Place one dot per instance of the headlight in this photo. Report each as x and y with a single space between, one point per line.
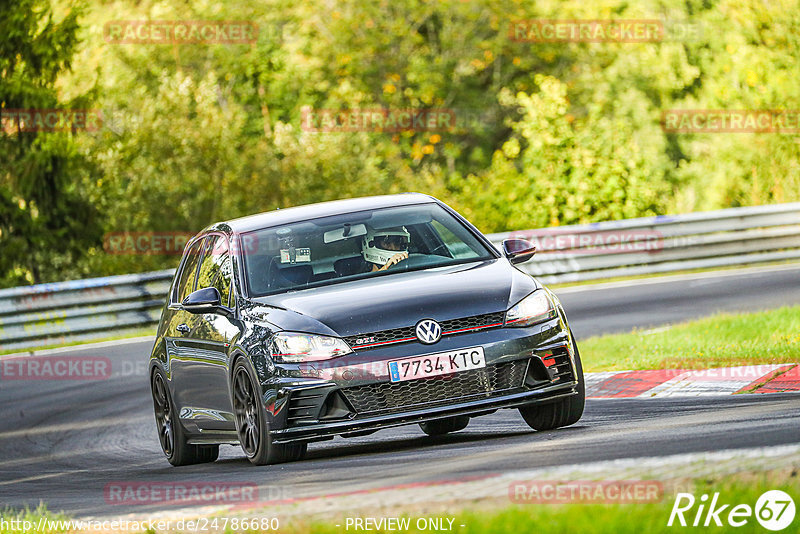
533 309
296 347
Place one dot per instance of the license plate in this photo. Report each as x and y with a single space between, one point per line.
441 363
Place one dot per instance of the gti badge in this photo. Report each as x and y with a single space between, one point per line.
428 331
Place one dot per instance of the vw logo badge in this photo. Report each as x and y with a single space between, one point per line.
428 331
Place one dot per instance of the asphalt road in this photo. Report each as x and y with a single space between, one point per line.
620 306
61 442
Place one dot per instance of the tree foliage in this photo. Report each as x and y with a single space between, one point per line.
46 224
547 133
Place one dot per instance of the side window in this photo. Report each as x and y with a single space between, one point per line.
454 245
185 283
216 268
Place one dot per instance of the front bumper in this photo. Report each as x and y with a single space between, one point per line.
325 430
354 394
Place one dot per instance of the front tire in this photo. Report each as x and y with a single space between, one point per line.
563 412
440 427
251 422
171 434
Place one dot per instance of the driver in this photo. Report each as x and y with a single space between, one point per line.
384 248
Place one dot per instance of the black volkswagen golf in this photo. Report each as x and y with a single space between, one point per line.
347 317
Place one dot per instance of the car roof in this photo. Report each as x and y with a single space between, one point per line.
322 209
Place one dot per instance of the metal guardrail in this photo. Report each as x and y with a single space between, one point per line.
652 245
46 314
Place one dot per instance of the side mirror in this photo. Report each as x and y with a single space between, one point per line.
518 250
204 300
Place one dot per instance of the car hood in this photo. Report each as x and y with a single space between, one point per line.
397 300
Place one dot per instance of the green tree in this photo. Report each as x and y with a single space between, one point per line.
559 169
549 132
46 223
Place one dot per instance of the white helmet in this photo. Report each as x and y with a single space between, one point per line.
380 245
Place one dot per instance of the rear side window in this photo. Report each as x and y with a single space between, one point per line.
188 274
216 268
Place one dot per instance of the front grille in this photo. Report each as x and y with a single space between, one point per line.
376 399
407 333
385 337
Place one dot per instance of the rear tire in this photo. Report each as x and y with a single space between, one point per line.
563 412
170 431
440 427
251 422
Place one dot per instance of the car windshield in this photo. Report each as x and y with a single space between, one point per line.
352 246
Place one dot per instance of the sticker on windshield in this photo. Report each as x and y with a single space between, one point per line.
295 255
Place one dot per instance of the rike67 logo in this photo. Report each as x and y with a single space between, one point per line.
774 510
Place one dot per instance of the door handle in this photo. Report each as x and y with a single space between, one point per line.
182 328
